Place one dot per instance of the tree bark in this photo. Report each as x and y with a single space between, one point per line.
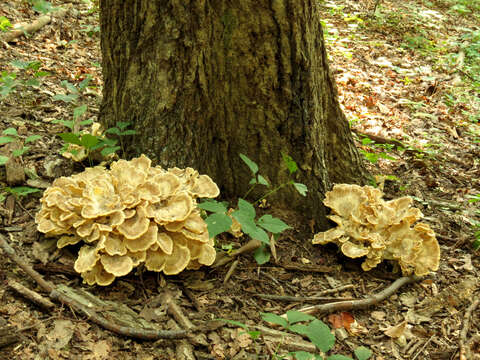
202 81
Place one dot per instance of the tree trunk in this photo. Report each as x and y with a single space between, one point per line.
202 81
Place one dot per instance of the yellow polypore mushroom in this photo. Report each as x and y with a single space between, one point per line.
380 230
131 214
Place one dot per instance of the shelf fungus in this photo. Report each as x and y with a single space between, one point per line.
129 215
368 226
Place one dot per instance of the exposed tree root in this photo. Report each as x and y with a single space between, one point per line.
465 346
362 303
91 312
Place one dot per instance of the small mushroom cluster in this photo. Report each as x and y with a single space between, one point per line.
131 214
380 230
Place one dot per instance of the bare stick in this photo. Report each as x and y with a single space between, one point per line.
248 247
54 294
230 271
362 303
31 295
464 352
335 290
22 29
302 298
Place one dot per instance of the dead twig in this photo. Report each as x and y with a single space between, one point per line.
31 295
301 298
92 314
230 271
362 303
22 29
223 259
465 352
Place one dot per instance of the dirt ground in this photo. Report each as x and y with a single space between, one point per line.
392 83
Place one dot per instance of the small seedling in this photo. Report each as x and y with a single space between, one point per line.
310 327
219 220
10 135
5 24
18 192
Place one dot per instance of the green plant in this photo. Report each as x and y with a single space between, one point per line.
4 23
90 142
219 220
310 327
374 156
18 191
10 135
42 6
9 82
121 130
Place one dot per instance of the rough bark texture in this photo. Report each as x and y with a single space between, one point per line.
203 81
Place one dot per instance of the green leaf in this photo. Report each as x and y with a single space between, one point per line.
85 82
69 86
319 334
42 6
213 206
70 138
32 138
252 181
86 122
66 123
32 82
339 357
20 152
109 150
299 329
218 223
261 255
255 334
262 180
113 130
246 208
275 319
252 165
4 23
41 74
123 124
88 141
22 190
362 353
66 98
301 188
79 111
274 225
476 243
128 132
10 131
3 160
6 140
257 234
303 355
294 316
291 164
19 64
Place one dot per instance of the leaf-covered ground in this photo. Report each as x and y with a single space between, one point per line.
408 71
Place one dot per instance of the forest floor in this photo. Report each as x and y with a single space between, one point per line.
410 71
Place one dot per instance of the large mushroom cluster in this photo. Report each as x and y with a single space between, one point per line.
379 230
131 214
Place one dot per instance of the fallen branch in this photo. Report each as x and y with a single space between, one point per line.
88 310
362 303
465 352
31 295
301 298
223 259
23 28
